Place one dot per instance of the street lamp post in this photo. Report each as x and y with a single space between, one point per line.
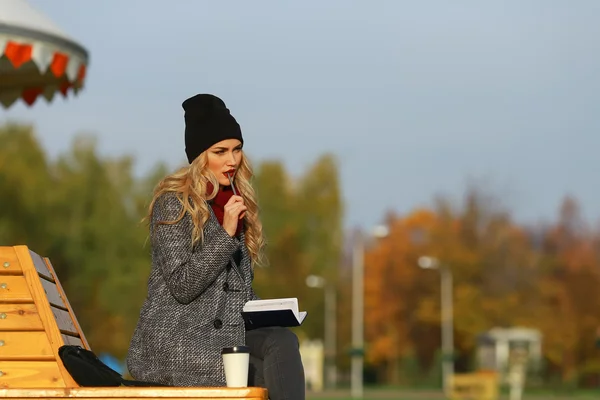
330 336
447 318
358 341
356 383
330 345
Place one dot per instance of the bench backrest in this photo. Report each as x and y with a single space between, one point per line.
35 320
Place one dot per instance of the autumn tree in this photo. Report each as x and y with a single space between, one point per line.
568 307
505 274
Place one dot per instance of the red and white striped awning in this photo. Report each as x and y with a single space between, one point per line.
37 59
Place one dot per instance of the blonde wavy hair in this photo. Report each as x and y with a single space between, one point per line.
191 183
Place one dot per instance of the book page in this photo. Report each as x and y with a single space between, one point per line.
272 305
301 315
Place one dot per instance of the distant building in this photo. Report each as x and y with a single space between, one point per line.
496 347
313 359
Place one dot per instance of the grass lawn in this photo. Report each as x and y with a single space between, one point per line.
406 394
377 394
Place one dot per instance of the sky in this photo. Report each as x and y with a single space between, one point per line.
416 99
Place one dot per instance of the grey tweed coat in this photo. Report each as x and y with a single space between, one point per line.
195 296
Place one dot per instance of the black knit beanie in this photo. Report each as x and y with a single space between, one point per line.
207 121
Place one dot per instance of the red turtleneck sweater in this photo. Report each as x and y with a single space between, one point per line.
218 204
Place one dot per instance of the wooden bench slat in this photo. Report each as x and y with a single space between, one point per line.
25 345
14 289
9 263
23 317
138 393
64 321
206 396
30 374
72 340
54 298
40 266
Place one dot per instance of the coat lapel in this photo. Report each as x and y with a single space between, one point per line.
237 268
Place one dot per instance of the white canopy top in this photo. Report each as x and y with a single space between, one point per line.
21 14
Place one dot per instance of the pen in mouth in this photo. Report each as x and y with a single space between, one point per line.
231 182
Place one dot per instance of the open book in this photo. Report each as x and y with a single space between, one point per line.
272 312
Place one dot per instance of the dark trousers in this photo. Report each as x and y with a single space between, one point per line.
275 363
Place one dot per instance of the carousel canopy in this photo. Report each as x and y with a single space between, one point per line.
36 57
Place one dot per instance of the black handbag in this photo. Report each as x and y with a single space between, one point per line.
87 369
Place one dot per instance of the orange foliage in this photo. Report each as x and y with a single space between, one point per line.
504 275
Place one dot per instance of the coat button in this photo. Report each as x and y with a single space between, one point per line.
225 286
218 323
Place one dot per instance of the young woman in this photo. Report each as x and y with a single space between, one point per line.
205 241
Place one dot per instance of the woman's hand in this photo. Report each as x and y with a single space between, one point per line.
234 211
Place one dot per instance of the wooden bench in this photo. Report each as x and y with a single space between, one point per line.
36 319
474 386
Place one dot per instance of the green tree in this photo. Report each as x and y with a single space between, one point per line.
84 211
320 215
25 188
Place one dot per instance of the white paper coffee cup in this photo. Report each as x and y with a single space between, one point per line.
236 361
